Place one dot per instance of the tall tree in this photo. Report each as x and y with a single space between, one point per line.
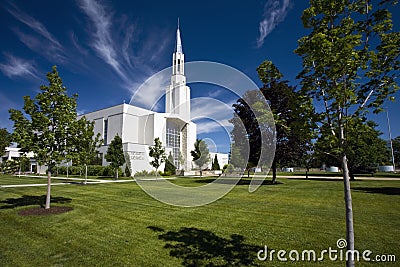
200 154
157 152
292 113
215 164
87 144
115 154
350 64
48 129
170 168
5 140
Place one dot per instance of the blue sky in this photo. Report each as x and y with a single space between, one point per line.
105 49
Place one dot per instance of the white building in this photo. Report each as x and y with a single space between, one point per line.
138 127
223 159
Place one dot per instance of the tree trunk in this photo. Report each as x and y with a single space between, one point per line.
116 174
85 173
349 210
274 172
47 206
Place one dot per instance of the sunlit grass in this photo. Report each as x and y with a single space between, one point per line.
117 224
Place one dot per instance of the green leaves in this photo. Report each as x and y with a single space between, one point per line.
115 153
49 126
200 154
157 152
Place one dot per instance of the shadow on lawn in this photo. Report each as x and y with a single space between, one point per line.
25 200
233 181
379 190
196 247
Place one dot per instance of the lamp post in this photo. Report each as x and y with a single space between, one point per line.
390 138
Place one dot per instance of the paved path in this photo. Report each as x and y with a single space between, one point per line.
335 177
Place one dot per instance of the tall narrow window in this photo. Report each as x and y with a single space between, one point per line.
105 131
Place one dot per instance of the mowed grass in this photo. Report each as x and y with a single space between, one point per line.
117 224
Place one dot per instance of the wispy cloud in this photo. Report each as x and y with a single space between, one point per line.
102 40
18 67
274 13
216 113
115 41
53 51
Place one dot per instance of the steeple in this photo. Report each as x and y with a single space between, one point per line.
178 41
178 93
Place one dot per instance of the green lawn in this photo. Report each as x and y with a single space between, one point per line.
117 224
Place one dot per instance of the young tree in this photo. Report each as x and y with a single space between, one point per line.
87 144
115 154
215 164
350 64
48 129
5 140
200 154
170 168
157 152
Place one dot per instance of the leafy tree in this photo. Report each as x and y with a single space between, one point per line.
157 152
292 113
115 154
364 148
48 129
200 154
396 150
5 140
87 144
170 168
215 164
350 64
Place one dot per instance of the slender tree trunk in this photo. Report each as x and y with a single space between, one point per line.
116 174
274 172
85 173
47 206
349 210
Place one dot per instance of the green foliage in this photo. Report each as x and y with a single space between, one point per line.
170 168
200 154
86 150
48 130
396 150
157 152
215 164
350 60
291 113
5 140
9 166
364 148
92 170
115 154
127 171
145 173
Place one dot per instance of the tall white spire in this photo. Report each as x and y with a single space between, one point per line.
178 41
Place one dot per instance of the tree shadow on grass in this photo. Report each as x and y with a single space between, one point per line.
379 190
25 200
196 247
233 181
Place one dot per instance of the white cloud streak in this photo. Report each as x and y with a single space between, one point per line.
53 51
274 13
17 67
102 39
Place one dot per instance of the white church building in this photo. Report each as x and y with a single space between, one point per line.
138 127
